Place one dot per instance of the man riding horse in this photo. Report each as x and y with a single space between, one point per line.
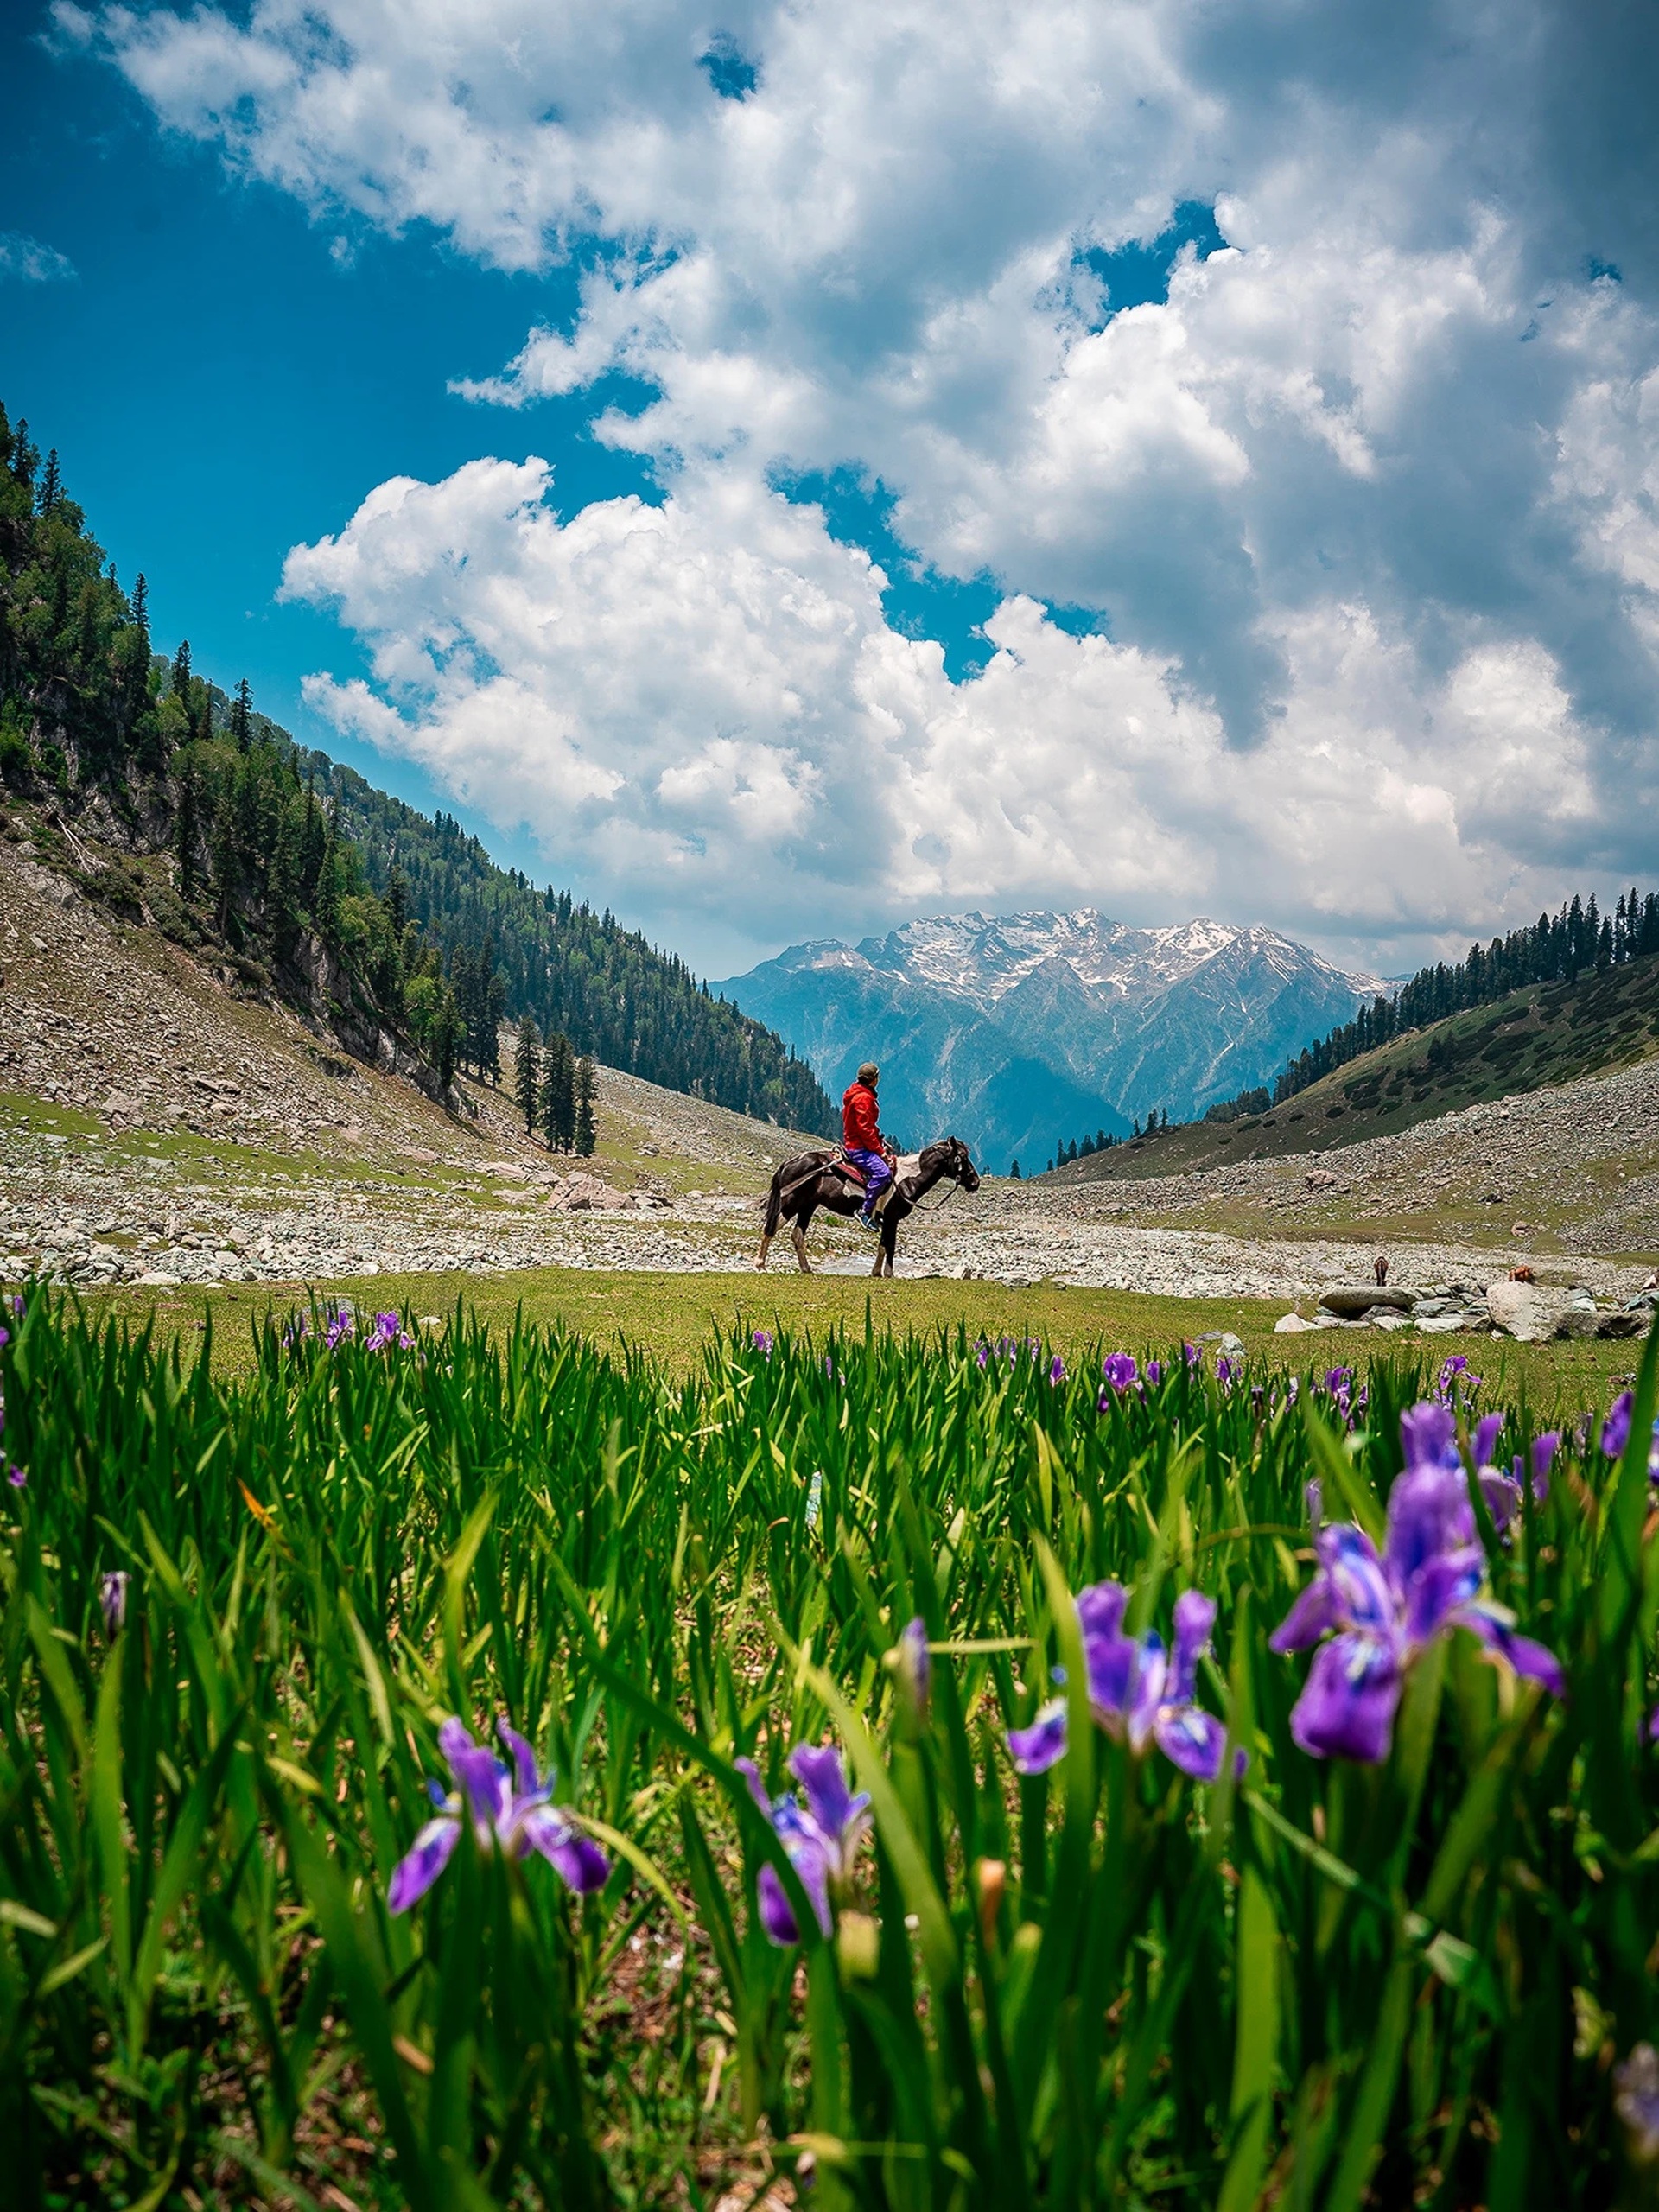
862 1142
863 1173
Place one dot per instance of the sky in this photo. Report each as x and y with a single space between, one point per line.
787 470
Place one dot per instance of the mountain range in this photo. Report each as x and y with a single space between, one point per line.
1020 1030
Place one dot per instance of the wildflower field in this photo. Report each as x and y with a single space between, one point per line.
484 1770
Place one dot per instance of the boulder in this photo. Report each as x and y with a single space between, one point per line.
1320 1178
1526 1311
1292 1325
1629 1321
1352 1300
1447 1324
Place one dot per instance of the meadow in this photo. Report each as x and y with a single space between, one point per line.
939 1772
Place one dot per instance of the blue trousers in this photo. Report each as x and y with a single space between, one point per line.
877 1176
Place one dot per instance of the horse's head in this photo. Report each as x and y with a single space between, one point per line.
962 1168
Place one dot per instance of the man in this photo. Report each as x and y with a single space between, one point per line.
862 1141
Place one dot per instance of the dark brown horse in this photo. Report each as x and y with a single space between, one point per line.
808 1181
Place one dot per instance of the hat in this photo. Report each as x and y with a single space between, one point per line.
869 1072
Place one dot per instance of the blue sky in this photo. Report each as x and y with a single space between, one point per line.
1173 461
221 384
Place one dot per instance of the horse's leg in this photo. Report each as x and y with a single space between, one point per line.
760 1256
884 1249
797 1231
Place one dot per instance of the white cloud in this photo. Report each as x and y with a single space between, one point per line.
26 259
1367 502
703 704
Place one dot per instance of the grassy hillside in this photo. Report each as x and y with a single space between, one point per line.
1543 1033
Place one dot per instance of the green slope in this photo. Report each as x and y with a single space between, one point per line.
1541 1034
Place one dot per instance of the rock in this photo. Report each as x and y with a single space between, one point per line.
1292 1325
1525 1311
160 1277
1435 1309
1447 1324
1382 1316
122 1106
1360 1298
1629 1321
1229 1345
1320 1178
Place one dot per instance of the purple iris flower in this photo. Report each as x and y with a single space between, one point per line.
1387 1611
112 1600
1637 2101
1228 1371
914 1661
762 1341
388 1331
1120 1370
1138 1693
1503 1491
1616 1432
820 1830
16 1478
5 1338
508 1806
1193 1355
343 1324
983 1352
1057 1370
1154 1373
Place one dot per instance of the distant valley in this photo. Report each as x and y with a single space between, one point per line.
1018 1030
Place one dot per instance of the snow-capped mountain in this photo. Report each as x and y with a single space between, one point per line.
1019 1031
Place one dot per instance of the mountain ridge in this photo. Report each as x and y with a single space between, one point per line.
1064 1020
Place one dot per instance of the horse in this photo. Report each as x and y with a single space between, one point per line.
811 1179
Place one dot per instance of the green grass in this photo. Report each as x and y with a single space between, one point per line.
674 1318
1322 1983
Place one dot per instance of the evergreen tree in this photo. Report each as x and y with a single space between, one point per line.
1013 1170
445 1042
559 1093
181 675
242 715
527 1072
586 1133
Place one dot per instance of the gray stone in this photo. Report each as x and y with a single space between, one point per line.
1631 1321
1525 1311
1353 1300
1293 1325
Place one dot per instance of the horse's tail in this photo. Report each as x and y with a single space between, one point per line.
774 1205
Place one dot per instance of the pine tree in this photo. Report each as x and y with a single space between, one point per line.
527 1072
1013 1171
51 484
559 1093
242 715
181 675
587 1134
446 1039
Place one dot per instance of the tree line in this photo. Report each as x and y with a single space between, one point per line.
1553 949
272 844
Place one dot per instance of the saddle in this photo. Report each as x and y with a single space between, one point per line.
840 1165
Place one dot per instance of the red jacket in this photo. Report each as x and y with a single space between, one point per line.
859 1132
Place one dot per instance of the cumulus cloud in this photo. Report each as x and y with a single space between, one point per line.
28 260
1365 505
703 702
